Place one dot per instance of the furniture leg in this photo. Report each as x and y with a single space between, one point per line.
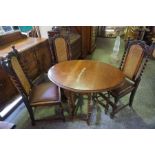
98 114
79 104
71 103
114 107
89 108
105 105
30 110
133 94
62 112
132 97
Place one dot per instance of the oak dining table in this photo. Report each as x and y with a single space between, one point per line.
85 77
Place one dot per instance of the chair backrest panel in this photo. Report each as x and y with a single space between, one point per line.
61 49
133 61
20 74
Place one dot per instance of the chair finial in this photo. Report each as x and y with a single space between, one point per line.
13 47
15 51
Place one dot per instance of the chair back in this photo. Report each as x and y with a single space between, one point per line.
14 68
61 49
134 59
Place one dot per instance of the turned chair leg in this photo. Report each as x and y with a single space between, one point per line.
30 110
114 107
62 112
132 97
133 93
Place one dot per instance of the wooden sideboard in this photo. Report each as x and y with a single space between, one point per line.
88 37
75 45
34 53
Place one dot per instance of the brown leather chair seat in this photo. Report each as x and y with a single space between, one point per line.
44 93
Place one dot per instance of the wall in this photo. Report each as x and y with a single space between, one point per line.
43 30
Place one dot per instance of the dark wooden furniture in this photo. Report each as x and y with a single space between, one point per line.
88 36
10 37
132 65
149 35
75 46
73 39
85 77
7 89
82 39
34 53
44 94
93 38
61 48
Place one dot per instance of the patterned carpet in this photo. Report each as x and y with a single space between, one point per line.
142 115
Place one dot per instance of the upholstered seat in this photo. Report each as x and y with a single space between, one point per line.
44 93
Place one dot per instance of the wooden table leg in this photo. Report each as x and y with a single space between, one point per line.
73 107
71 103
78 103
90 104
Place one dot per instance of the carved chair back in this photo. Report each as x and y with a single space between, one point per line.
15 69
61 49
134 59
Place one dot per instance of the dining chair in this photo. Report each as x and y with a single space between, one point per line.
132 65
43 94
61 48
61 51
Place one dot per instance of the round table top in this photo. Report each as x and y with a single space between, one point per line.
85 76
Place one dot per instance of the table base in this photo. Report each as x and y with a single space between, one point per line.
74 105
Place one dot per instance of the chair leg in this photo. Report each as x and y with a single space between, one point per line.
105 105
132 97
114 107
62 112
30 110
133 93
